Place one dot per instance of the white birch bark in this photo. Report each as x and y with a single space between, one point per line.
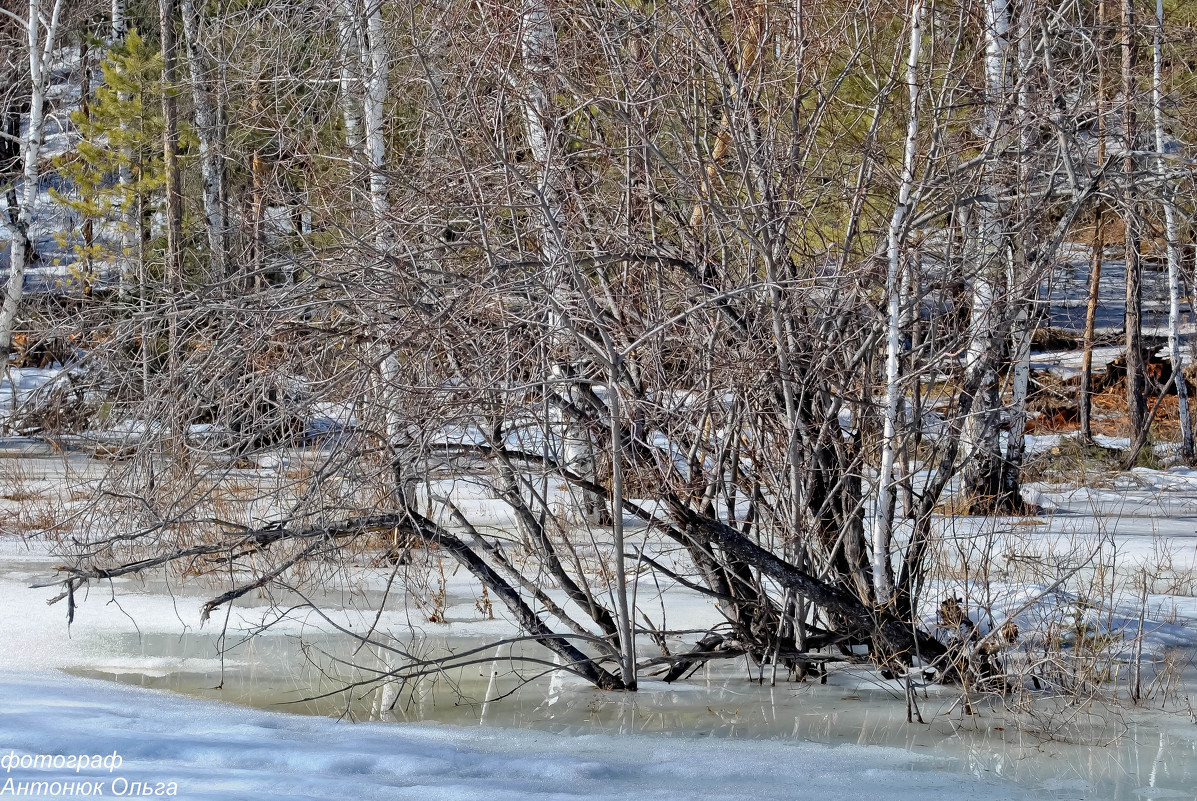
377 59
206 127
351 50
363 81
41 31
1170 236
538 45
1020 385
1021 328
883 586
981 436
119 21
364 91
403 472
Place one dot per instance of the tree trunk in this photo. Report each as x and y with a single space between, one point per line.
1085 397
21 248
1171 239
351 49
883 585
363 79
130 236
89 238
378 61
1136 372
170 166
982 485
207 129
1024 266
538 46
119 23
627 629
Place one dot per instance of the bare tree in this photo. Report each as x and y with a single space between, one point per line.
762 279
40 26
1136 369
1171 237
1085 393
207 127
883 521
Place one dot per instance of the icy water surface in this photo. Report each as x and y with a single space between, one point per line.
1131 755
1147 756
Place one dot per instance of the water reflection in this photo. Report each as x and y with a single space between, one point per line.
1151 758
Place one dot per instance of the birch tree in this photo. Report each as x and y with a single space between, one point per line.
1171 236
364 75
1024 264
207 125
1084 397
349 57
994 258
120 25
41 28
538 46
884 515
1136 369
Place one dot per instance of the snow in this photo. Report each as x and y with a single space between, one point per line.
1068 296
223 751
17 384
1067 363
219 751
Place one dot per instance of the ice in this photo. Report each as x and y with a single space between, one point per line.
220 751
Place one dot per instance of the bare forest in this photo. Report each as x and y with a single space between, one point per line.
610 310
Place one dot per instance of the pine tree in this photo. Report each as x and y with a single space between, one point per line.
122 131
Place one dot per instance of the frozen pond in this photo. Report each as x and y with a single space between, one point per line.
146 635
1124 756
1152 756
